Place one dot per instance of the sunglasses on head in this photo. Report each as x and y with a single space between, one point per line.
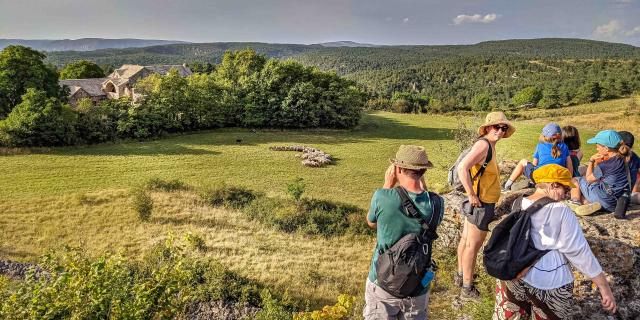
503 127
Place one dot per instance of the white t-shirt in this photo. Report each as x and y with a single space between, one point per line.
556 228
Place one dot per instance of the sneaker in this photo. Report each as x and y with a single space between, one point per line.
587 209
469 293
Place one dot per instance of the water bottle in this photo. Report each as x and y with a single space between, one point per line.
427 278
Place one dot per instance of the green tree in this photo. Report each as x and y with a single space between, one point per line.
528 95
39 120
481 102
82 69
550 99
590 92
22 68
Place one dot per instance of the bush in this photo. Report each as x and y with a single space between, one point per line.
195 242
142 204
159 286
39 121
229 196
166 185
342 310
296 188
465 134
313 217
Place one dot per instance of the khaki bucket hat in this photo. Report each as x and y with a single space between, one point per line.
494 118
411 157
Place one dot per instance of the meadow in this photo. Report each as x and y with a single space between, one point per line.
80 196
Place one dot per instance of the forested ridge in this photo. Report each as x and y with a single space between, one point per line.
552 72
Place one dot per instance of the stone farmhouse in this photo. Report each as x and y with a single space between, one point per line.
120 83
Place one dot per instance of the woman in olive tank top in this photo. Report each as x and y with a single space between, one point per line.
483 194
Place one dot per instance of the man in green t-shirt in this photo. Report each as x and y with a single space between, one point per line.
387 217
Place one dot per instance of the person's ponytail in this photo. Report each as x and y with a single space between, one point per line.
555 149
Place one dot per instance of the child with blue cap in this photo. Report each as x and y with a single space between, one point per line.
606 177
550 150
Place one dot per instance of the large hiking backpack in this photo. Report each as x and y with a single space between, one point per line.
452 175
400 269
510 248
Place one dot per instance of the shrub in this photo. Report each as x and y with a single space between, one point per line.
195 242
39 121
465 134
159 286
342 310
314 217
296 188
229 196
142 204
166 185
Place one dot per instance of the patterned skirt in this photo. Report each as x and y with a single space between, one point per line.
517 300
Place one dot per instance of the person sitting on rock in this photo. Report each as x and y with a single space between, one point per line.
606 177
545 291
634 168
387 216
550 149
571 138
483 194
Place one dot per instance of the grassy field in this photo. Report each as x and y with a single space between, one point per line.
81 196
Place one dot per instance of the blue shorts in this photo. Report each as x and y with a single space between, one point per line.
528 171
598 192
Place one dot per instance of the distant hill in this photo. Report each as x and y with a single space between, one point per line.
84 44
347 44
569 71
348 59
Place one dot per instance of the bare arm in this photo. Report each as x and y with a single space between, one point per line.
477 154
608 301
569 164
372 225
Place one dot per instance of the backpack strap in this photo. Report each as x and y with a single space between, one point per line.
517 205
538 204
411 211
483 167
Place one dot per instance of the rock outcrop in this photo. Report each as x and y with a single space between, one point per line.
616 244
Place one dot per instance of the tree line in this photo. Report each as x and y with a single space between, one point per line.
245 90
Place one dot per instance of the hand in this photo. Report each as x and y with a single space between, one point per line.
608 301
596 157
390 178
475 201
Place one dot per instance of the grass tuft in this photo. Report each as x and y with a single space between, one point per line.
166 185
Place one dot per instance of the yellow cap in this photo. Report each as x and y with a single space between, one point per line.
553 173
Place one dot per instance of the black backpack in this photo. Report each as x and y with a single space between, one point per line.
510 248
401 268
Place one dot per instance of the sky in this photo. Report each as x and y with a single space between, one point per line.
315 21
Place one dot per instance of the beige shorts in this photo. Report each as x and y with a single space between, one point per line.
380 305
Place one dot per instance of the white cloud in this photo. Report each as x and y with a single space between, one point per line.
388 19
633 31
405 20
609 31
476 18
